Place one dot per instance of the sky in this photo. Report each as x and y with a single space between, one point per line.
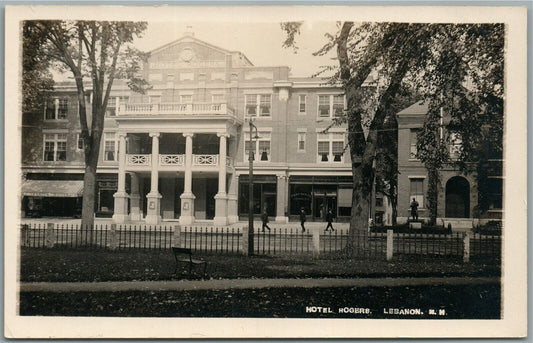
260 42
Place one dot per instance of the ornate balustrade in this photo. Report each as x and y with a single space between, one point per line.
171 160
139 160
204 160
175 109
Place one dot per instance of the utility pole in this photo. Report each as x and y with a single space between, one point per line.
251 191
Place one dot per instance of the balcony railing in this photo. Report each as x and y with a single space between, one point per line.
178 160
205 160
138 160
143 109
171 160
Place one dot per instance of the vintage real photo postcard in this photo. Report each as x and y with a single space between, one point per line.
265 171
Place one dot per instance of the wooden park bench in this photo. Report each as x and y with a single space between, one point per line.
185 255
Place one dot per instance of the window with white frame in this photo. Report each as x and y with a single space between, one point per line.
186 98
258 105
114 103
56 109
110 146
155 99
302 104
455 145
301 141
330 147
260 146
62 109
218 98
330 105
55 147
79 140
412 142
416 191
170 81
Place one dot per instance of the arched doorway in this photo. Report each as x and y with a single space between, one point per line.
457 197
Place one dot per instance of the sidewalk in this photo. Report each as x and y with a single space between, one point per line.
185 285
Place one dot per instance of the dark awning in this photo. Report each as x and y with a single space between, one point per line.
52 188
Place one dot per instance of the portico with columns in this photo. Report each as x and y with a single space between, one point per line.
179 169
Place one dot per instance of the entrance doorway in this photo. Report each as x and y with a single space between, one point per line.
324 201
457 198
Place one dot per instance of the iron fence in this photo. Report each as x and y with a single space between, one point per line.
207 239
282 241
434 245
278 241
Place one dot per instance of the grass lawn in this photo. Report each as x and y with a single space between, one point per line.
457 302
64 265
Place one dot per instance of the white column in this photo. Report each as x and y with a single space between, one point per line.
281 199
233 215
135 204
153 214
187 198
120 212
221 199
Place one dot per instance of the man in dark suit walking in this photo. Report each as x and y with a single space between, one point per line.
329 219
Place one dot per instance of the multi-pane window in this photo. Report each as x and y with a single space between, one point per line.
301 141
330 105
170 81
258 105
110 146
302 104
218 98
50 110
413 139
114 103
186 98
260 146
330 147
416 190
79 141
456 145
155 99
55 147
62 109
56 109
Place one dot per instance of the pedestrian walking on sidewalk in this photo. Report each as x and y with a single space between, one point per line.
329 219
264 218
302 219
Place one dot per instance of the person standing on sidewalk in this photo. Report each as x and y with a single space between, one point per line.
264 218
414 209
329 219
302 219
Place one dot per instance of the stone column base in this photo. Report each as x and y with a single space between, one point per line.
120 213
282 219
221 209
187 208
233 215
153 216
135 210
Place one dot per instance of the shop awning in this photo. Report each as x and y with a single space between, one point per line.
52 188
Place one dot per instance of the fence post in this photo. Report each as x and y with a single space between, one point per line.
466 247
176 236
243 243
390 245
113 237
316 242
25 235
49 235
